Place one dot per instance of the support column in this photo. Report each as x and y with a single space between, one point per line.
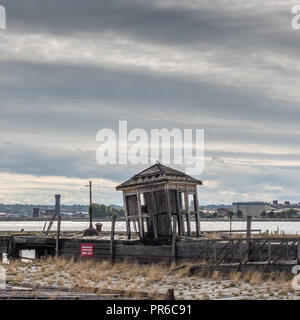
168 207
154 218
249 218
270 252
181 229
174 240
126 217
188 214
298 252
196 205
141 222
112 238
57 213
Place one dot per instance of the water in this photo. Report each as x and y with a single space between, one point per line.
288 227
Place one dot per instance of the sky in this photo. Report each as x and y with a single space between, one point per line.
69 68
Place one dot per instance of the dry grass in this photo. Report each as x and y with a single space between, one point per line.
90 276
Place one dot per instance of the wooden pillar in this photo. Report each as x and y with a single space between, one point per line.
181 229
269 252
141 222
215 251
57 213
174 240
249 218
188 214
112 238
168 207
126 217
154 218
241 250
57 236
196 205
12 250
298 252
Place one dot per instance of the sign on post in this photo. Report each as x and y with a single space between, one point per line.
87 250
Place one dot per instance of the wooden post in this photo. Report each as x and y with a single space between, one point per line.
196 205
188 214
57 236
174 240
91 206
126 217
141 222
249 218
215 251
154 218
298 252
168 205
269 252
180 217
12 250
112 238
57 213
241 251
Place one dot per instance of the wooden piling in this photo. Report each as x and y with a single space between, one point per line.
188 215
126 217
269 252
249 218
174 239
196 205
298 251
154 218
57 235
112 238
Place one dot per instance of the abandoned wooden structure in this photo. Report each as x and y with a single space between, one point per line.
269 251
156 194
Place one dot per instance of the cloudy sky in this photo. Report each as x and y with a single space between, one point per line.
70 68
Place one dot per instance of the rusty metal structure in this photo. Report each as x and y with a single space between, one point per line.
154 195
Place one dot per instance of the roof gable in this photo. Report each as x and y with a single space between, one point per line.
158 173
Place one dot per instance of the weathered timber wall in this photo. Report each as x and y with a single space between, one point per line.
234 250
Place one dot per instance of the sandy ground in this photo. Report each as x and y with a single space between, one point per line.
154 279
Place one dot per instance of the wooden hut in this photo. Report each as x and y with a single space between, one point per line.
156 194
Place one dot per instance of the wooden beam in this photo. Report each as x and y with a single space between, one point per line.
126 217
168 207
141 222
196 205
145 215
57 235
269 252
188 214
174 240
112 238
154 218
181 229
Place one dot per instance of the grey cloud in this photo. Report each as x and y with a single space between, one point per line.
207 27
74 101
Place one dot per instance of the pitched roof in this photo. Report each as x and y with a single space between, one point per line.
157 173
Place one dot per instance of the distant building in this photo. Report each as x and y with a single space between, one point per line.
250 209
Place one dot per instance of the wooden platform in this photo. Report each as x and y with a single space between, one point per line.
215 251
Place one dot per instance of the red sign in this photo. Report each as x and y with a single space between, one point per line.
87 250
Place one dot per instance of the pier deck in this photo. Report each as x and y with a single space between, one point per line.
270 250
